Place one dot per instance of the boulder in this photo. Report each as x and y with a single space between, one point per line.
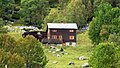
66 53
55 62
62 49
82 58
62 53
52 47
57 50
58 55
85 65
71 63
53 52
49 51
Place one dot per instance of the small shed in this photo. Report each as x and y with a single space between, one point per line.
62 33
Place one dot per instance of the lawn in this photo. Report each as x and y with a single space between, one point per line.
83 48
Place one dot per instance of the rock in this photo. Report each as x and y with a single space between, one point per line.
85 65
55 62
57 50
54 55
66 53
82 58
71 63
62 53
53 52
6 66
61 49
52 47
58 55
49 51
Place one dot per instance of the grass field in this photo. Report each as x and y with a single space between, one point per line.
83 48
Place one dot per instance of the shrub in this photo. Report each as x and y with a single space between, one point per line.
104 56
7 42
114 38
11 60
31 49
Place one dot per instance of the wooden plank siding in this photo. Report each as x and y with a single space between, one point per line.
65 33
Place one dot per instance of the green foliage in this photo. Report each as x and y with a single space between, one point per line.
105 22
11 60
25 51
58 3
51 16
114 3
31 50
9 10
34 11
2 29
73 12
89 10
114 38
7 42
104 56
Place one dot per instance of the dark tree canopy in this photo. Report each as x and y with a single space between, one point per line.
105 22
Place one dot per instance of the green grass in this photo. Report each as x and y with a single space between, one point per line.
64 60
83 48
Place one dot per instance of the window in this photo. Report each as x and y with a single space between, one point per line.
54 37
71 30
71 37
60 37
54 30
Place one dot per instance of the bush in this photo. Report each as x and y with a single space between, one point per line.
114 38
7 42
11 60
104 56
31 49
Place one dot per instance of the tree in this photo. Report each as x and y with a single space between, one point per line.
2 28
104 56
58 3
9 10
114 38
9 57
89 11
7 42
31 49
27 51
75 13
51 16
114 3
11 60
33 12
105 22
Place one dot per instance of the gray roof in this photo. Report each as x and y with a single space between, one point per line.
62 25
